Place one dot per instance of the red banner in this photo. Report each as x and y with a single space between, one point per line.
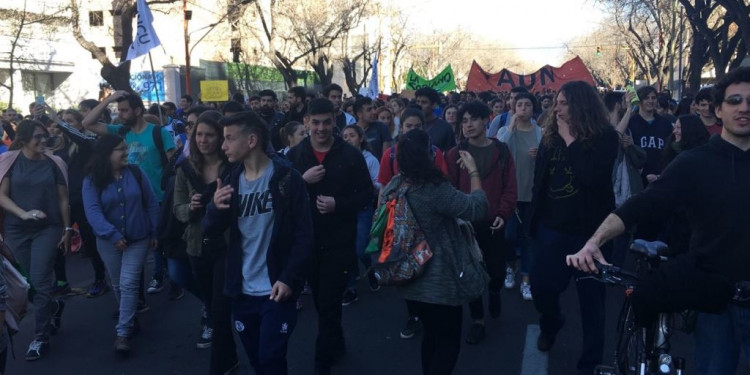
547 77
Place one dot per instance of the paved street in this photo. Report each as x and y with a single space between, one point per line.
166 344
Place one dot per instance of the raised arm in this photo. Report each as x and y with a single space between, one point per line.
91 121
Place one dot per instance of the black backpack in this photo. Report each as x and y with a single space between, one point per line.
167 164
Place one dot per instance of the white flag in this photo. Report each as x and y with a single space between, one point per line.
145 36
372 89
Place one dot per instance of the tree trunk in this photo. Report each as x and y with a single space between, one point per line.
697 60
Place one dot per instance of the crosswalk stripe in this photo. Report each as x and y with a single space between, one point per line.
534 361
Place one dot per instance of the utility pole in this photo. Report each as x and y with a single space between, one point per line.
187 15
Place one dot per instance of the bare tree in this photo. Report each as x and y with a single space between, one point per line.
355 62
717 29
604 53
650 28
294 32
18 23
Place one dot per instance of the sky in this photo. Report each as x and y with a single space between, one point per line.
524 24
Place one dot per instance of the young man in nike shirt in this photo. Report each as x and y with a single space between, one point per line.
264 204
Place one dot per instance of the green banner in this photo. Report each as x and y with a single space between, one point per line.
444 81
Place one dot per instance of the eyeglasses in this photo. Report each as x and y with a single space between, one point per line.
736 99
40 137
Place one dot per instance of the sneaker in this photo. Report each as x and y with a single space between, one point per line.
98 288
510 278
495 304
476 334
56 320
175 291
155 286
122 345
526 291
374 285
350 296
37 349
141 308
413 326
204 342
61 288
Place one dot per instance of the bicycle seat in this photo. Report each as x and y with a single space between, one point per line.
650 249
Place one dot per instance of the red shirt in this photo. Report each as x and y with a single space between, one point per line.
320 155
713 129
389 168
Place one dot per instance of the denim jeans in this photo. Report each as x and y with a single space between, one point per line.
719 339
364 222
550 277
517 239
181 273
124 268
36 251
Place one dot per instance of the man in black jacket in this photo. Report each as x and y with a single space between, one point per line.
711 183
339 186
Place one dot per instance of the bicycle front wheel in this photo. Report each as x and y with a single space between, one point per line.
631 343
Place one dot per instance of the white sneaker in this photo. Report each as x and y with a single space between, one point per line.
526 291
510 278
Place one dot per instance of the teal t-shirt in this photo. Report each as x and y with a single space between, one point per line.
143 153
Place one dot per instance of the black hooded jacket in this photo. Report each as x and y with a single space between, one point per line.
712 184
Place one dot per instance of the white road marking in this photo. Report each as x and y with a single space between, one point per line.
534 361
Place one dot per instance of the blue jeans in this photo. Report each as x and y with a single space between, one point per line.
264 327
181 273
719 339
517 239
364 223
124 268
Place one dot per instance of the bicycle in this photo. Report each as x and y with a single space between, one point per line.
639 350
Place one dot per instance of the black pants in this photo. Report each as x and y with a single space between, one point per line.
550 277
441 340
494 252
208 272
328 279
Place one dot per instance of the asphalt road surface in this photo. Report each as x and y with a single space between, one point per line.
166 344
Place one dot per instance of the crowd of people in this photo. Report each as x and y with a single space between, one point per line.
252 203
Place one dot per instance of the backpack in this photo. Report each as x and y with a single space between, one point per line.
472 278
404 251
167 164
17 289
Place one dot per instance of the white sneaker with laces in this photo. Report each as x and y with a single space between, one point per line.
510 278
526 291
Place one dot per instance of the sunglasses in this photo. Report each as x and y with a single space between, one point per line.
736 100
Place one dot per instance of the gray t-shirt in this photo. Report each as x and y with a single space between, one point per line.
255 222
33 186
524 140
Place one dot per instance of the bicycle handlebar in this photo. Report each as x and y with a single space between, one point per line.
614 275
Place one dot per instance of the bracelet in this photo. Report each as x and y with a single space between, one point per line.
474 174
69 229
